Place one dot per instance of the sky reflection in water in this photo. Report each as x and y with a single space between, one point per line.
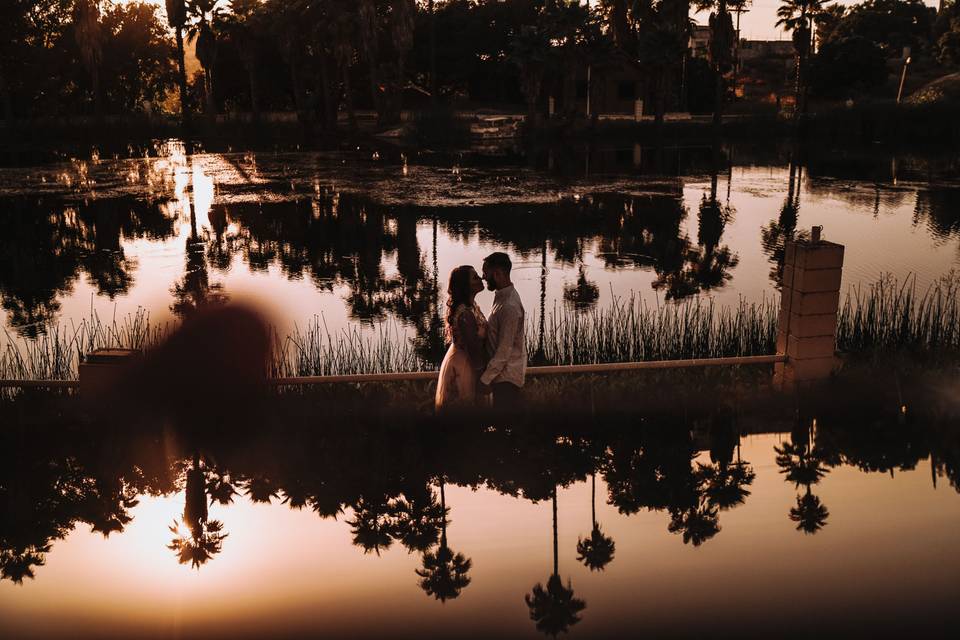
356 238
858 523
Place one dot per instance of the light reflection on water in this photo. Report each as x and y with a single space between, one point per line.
354 237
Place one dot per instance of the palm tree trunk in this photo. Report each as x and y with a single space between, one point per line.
208 93
593 499
556 553
718 67
182 80
433 53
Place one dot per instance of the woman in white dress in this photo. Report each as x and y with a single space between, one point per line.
466 333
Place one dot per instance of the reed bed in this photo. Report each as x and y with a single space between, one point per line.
891 317
314 351
56 352
884 318
630 330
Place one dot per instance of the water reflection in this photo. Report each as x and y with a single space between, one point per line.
231 209
392 479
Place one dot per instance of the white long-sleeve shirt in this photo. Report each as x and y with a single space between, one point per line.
506 344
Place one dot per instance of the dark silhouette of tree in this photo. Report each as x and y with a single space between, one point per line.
89 35
777 233
177 18
554 609
802 464
444 572
203 538
596 551
697 523
372 525
809 514
584 294
797 16
418 518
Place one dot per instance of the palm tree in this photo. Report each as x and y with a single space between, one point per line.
697 523
205 13
810 514
244 26
372 525
554 609
722 39
444 572
197 539
177 18
89 36
797 16
418 519
595 552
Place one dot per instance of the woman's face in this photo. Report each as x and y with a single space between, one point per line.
476 284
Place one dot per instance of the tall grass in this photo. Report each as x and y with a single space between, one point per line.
56 353
891 317
630 330
886 317
314 351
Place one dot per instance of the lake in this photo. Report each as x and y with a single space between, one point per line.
366 237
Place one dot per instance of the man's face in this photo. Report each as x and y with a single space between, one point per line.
490 277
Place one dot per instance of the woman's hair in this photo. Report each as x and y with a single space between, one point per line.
458 292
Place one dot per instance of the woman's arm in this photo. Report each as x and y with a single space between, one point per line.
470 337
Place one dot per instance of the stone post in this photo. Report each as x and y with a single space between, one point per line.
810 300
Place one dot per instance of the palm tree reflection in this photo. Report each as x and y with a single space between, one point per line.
801 463
444 572
596 551
810 514
554 609
196 539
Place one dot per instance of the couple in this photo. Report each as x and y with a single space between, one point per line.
485 355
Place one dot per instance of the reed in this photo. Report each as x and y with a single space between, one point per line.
629 330
891 317
884 318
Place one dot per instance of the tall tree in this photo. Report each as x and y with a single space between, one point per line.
177 19
89 35
204 14
797 16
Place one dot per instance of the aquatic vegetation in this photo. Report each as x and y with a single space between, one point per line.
889 316
884 318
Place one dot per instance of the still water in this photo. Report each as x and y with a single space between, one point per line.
842 527
368 236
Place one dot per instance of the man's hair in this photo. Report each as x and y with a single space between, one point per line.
498 260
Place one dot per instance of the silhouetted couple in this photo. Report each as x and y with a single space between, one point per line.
487 356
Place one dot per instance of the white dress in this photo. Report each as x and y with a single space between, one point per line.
464 361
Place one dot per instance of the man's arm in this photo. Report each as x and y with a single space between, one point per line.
509 325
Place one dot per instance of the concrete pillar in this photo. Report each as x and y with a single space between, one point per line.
102 368
807 332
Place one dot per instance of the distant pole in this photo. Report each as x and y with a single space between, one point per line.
903 78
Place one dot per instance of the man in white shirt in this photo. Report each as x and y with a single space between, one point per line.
506 344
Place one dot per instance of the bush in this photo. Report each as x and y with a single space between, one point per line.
848 65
